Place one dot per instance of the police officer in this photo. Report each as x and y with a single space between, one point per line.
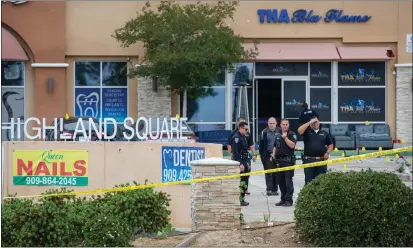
267 139
317 147
284 156
251 146
239 145
307 114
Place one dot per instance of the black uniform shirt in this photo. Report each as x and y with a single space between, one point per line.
284 150
239 147
315 142
248 136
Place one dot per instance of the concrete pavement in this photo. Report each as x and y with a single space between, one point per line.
258 202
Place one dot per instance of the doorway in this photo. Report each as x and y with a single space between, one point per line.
269 101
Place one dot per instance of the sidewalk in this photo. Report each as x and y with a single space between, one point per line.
258 202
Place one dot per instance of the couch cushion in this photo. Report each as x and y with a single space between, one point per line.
363 129
342 138
338 129
374 137
381 129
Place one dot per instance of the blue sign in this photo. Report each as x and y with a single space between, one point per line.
176 162
115 103
87 102
304 16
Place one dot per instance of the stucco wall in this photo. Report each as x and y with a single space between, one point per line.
40 28
89 29
113 163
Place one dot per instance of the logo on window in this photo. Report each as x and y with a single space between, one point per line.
359 106
361 75
88 105
320 105
294 102
319 74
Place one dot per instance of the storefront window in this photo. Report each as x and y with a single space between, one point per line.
320 101
207 109
13 97
361 92
320 74
244 73
361 74
101 89
361 104
281 69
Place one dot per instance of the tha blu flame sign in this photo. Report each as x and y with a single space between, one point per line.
176 162
304 16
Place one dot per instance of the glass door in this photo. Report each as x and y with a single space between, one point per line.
293 97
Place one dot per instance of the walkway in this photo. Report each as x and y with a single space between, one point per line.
258 202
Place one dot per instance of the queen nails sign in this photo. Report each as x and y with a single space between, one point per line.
308 16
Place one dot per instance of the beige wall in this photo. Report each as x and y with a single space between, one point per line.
89 30
113 163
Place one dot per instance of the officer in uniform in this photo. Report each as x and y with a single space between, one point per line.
239 145
317 147
284 156
267 139
251 146
307 114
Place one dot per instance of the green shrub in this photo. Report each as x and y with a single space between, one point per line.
60 221
145 210
107 231
355 209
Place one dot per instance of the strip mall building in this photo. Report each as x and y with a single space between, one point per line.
351 61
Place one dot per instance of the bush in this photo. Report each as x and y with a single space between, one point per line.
60 221
355 209
107 231
145 210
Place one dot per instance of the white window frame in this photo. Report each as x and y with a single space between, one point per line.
100 87
364 87
24 94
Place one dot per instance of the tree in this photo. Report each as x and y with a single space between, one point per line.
187 45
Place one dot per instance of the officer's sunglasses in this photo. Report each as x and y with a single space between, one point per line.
246 129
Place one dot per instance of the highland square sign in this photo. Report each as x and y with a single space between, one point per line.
305 16
145 128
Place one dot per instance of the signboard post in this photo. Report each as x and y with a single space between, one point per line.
176 162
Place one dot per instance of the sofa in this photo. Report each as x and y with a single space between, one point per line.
343 138
373 136
214 136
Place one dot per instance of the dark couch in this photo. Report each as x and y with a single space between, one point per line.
215 136
374 136
343 137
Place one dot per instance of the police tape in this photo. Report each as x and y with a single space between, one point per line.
206 179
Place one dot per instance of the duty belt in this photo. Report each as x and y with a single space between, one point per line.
244 155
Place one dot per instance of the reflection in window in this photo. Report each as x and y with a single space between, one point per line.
87 73
206 127
12 73
243 73
12 104
12 135
114 73
12 97
207 109
235 92
221 79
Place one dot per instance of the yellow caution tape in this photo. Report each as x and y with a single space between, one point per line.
206 179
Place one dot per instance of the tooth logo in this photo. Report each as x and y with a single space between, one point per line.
88 105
